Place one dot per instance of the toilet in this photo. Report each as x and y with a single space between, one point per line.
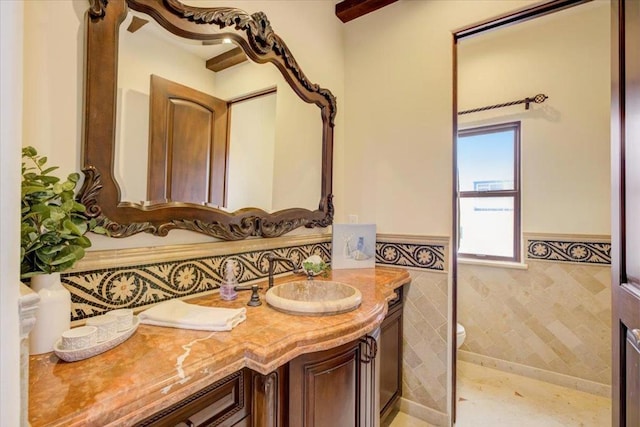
461 334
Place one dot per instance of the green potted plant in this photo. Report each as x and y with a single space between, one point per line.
53 223
52 239
314 266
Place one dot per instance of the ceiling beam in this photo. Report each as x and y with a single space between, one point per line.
348 10
226 60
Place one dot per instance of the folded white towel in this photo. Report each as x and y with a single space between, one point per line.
178 314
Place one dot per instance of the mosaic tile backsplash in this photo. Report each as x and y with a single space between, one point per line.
584 252
97 291
417 255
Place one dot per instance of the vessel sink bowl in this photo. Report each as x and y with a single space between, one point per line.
314 297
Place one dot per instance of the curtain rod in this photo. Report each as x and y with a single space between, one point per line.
538 99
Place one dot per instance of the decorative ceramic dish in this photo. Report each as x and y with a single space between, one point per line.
94 350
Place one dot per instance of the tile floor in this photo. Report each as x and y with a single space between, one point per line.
492 398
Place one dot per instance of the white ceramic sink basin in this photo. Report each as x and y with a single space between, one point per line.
314 297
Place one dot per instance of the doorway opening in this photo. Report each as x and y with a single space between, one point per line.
525 266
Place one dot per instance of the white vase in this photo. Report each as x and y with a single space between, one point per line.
54 312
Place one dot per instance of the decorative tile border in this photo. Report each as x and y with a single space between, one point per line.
425 253
567 248
136 278
97 291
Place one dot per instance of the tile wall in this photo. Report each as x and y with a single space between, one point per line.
551 321
426 325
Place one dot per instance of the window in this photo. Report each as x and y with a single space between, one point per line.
489 192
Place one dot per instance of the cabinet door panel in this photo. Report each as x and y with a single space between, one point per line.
390 360
269 406
390 363
325 389
332 393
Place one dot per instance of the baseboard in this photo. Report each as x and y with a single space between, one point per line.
537 373
424 413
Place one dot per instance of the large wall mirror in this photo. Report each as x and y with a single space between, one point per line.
201 119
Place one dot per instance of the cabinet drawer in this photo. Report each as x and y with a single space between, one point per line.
223 403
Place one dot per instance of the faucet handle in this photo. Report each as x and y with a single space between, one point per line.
254 301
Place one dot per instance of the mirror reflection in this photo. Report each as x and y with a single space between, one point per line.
232 138
165 154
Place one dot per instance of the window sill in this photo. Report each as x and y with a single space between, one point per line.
492 263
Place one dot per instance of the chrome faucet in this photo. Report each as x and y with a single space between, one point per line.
272 261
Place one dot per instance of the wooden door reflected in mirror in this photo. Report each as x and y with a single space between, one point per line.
187 145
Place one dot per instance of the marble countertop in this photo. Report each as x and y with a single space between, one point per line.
159 366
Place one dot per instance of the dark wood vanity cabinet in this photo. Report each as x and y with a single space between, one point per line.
330 388
390 358
224 403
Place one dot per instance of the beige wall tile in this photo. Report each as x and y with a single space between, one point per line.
553 316
425 340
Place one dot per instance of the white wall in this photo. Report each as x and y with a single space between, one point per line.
565 140
11 19
298 134
53 80
398 85
250 174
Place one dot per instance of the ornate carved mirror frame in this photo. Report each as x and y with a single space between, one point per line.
101 193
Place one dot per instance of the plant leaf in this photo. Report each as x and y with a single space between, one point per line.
49 170
83 241
68 205
78 207
29 151
56 213
69 225
100 230
68 185
69 253
47 179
